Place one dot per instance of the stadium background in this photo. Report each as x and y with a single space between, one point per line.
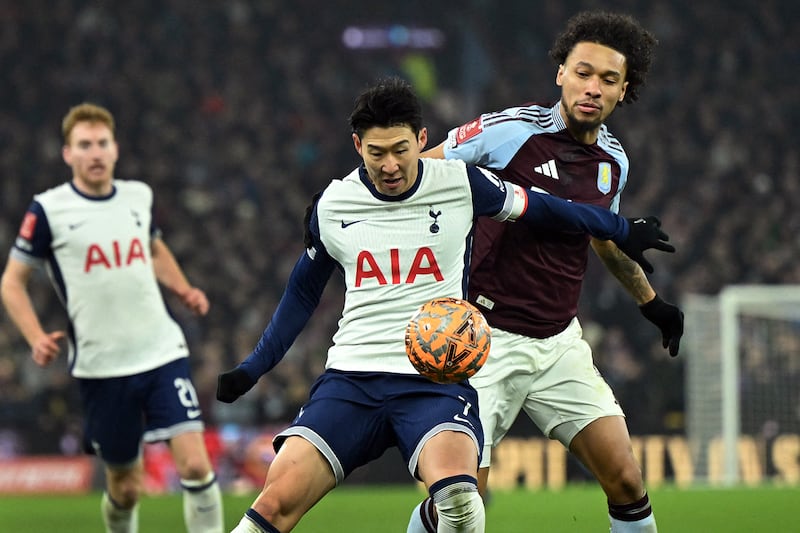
236 113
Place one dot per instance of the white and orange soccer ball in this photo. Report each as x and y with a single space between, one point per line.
448 340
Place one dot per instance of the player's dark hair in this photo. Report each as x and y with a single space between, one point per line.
389 102
621 32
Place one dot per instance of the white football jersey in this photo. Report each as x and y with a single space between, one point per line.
396 255
98 256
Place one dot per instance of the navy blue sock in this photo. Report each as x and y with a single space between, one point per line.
631 512
261 521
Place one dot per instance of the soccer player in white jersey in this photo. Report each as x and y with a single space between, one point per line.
96 238
540 364
399 229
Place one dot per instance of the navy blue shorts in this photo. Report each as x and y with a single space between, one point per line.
152 406
354 417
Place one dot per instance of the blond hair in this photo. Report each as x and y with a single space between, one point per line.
86 112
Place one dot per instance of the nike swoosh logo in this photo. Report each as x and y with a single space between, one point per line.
459 418
77 224
193 413
345 224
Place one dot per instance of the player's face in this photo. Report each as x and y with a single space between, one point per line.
390 156
92 153
592 81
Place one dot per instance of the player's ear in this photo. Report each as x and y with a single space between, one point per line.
66 155
422 138
357 144
560 75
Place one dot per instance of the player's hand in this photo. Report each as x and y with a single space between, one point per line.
669 320
196 301
46 348
645 233
232 384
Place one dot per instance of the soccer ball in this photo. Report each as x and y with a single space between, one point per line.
448 340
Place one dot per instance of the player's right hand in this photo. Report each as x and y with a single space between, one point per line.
645 233
46 349
232 384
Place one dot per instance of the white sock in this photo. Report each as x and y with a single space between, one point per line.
252 522
645 525
461 512
246 525
116 519
202 505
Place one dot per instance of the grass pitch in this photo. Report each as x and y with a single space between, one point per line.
371 509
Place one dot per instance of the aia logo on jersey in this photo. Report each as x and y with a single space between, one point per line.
423 264
28 225
468 131
117 255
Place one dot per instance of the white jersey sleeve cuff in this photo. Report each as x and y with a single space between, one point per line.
515 205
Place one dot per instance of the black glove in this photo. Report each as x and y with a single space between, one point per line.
232 384
645 233
669 320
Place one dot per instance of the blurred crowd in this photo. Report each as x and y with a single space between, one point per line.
236 114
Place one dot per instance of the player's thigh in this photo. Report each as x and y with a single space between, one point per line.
297 479
171 406
570 393
112 420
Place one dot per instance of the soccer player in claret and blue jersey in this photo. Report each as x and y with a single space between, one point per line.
527 282
399 229
104 254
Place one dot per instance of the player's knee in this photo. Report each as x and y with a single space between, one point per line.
124 486
194 469
626 485
459 505
125 494
192 466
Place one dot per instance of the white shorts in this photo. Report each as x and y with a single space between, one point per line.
553 380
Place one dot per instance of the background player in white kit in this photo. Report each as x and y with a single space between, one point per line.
400 230
95 237
529 294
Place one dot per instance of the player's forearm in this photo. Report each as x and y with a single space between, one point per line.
168 271
20 309
627 271
548 211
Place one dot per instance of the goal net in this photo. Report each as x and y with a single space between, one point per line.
743 384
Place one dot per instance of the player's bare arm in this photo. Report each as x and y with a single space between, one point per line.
666 316
170 275
14 288
437 152
625 269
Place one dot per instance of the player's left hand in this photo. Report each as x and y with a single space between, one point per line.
669 320
232 384
645 233
196 301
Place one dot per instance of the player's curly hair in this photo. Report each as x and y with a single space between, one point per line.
618 31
